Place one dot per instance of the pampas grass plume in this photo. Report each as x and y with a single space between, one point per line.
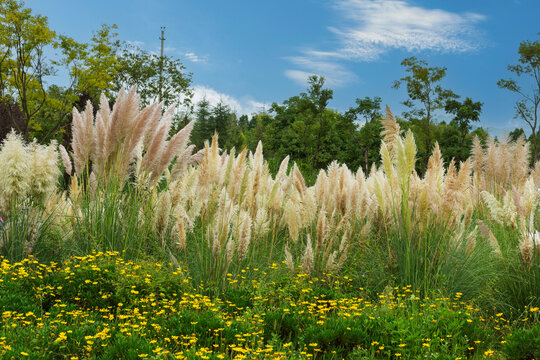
488 235
229 250
44 170
322 226
291 217
387 160
391 130
181 244
66 161
288 258
494 206
307 259
528 244
331 262
244 236
15 177
161 220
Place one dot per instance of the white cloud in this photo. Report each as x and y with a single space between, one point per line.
245 105
188 55
370 28
298 76
335 74
374 26
191 56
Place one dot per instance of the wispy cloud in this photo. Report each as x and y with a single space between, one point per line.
370 28
244 105
375 26
191 56
334 73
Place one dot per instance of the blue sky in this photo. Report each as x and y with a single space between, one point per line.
252 53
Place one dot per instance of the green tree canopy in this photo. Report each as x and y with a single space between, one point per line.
23 38
142 68
464 113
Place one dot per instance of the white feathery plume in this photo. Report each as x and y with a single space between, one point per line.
307 259
66 161
288 258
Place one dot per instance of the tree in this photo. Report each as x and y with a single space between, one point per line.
243 122
91 68
451 142
528 70
220 119
319 98
256 131
481 133
464 113
306 130
366 108
425 94
367 135
203 128
516 134
142 68
225 124
23 38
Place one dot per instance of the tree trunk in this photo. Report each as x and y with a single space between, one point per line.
535 147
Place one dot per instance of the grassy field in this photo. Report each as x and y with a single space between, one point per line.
134 246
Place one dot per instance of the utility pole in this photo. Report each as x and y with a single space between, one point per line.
162 38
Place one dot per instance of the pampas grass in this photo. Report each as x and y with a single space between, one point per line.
28 171
136 188
44 172
28 182
111 147
15 178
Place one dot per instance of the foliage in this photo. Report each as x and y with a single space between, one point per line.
368 136
517 285
9 110
91 68
306 130
219 119
464 113
109 219
528 70
523 344
157 78
23 38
